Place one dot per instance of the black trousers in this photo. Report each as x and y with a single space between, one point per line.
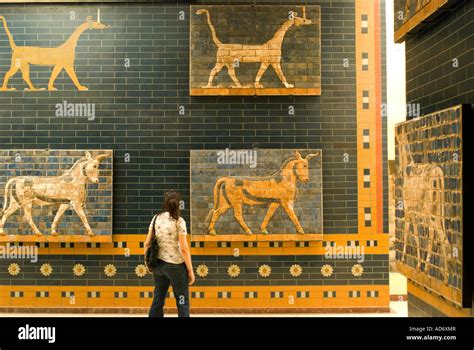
165 274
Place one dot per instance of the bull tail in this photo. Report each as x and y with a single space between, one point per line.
217 189
8 194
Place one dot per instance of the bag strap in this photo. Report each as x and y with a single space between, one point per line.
153 230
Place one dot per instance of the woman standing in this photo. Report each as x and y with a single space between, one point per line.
174 257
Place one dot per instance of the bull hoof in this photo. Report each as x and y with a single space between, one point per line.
38 233
2 233
54 233
264 232
90 233
212 232
249 233
210 86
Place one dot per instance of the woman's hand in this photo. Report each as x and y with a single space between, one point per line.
186 254
191 277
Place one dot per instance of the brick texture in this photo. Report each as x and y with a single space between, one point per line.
434 144
137 107
206 170
34 164
375 271
137 72
432 79
298 50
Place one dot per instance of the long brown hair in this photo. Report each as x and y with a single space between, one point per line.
171 204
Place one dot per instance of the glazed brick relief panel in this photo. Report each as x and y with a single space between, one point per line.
256 191
428 190
411 16
255 50
55 194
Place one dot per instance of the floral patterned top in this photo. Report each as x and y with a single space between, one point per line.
167 231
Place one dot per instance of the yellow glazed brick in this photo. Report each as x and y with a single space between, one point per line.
5 302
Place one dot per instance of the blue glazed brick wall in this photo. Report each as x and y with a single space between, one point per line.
137 72
433 79
137 106
375 271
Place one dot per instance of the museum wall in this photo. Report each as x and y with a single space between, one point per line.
440 89
439 61
137 75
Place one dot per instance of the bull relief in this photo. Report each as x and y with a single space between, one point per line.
228 56
256 194
56 195
428 192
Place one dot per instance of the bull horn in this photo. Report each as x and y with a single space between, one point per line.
88 155
98 15
312 155
298 155
101 157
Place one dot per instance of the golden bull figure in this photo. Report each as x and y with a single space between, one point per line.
278 189
67 190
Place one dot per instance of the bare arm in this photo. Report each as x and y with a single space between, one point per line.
149 236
